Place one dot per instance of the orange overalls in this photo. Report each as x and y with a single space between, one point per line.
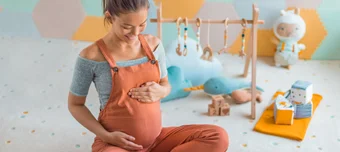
143 120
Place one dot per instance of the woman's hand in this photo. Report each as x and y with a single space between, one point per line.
122 140
149 92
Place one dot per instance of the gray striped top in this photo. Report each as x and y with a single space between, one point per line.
87 71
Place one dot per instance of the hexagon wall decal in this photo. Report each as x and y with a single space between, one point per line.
19 6
315 33
311 4
93 8
180 8
212 10
86 33
330 46
269 10
225 1
157 2
151 28
12 26
59 20
169 33
264 45
86 30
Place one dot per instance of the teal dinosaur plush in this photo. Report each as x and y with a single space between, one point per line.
178 83
237 89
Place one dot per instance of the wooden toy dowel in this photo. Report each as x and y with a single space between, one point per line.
193 21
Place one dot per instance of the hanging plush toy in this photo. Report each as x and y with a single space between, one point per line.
289 28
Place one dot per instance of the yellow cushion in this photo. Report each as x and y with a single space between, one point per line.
295 131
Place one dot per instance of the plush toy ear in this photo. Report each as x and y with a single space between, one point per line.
297 11
283 12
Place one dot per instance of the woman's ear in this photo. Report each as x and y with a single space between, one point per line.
107 14
297 11
109 17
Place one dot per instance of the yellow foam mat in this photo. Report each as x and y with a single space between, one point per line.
296 131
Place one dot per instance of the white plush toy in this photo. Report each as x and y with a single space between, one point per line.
289 28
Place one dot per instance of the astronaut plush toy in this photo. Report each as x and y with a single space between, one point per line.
289 28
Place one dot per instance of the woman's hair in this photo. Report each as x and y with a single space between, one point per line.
117 7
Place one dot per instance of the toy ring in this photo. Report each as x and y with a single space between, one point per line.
226 22
244 24
198 22
224 49
210 51
178 21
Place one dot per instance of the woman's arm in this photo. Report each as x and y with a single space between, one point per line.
166 86
76 105
81 81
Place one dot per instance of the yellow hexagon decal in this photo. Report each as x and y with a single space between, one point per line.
264 46
91 29
179 8
315 33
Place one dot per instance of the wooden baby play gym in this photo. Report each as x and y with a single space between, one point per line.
251 50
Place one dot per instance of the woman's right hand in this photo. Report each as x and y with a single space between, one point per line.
122 140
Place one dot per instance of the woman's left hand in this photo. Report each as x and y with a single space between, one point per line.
149 92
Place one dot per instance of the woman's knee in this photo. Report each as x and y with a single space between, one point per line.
222 136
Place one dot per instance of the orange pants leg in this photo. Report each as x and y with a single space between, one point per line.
195 138
100 146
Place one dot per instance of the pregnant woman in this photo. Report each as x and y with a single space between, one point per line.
129 72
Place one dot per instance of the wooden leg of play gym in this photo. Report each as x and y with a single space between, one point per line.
254 58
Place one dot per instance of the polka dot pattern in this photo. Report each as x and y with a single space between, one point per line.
36 108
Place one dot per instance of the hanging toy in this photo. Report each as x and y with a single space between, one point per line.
225 50
207 48
198 24
185 51
178 23
244 24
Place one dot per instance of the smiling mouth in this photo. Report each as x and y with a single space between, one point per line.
130 37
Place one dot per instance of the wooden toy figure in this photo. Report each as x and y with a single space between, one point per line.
219 107
186 22
207 49
178 24
225 48
198 34
289 28
243 37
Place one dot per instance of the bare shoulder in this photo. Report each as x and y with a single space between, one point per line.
153 41
93 53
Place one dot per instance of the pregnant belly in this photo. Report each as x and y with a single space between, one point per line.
145 130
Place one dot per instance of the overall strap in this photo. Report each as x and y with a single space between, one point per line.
102 47
283 46
146 47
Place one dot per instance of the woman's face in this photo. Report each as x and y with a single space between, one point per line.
128 26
